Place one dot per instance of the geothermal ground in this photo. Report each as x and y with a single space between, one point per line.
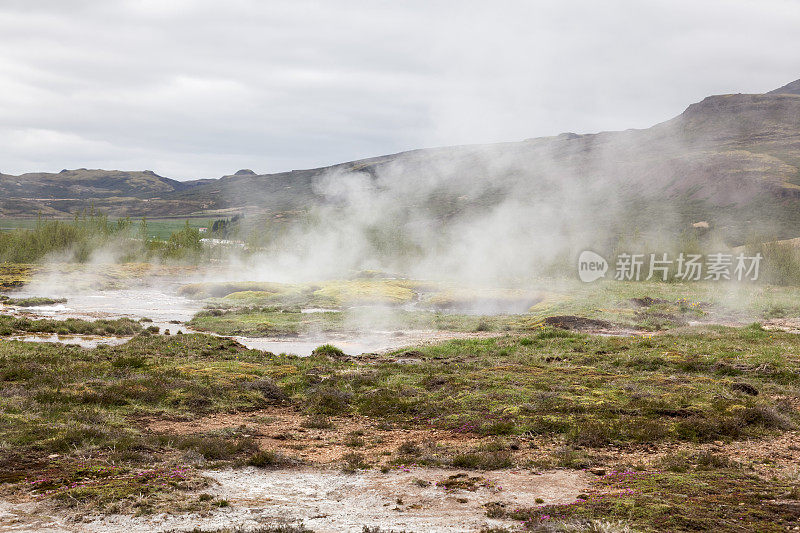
162 401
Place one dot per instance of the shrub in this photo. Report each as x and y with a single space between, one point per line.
317 422
214 448
483 460
328 350
592 433
354 461
268 389
264 459
329 401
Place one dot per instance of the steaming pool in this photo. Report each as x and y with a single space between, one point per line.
170 311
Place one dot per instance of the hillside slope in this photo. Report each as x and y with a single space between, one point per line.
728 156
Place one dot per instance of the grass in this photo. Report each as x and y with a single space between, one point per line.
10 325
266 458
645 306
86 406
327 294
590 390
31 302
680 302
157 228
255 322
105 486
65 409
15 275
105 276
701 498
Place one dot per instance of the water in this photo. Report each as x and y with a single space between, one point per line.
168 310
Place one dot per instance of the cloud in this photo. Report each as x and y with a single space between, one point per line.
202 88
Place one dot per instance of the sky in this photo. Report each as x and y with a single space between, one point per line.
202 88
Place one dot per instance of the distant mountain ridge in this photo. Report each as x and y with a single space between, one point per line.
725 151
789 88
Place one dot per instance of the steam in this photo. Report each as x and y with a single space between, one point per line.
482 215
500 216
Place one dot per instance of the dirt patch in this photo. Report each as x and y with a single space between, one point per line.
789 325
286 431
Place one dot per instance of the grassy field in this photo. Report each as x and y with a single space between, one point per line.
74 422
158 228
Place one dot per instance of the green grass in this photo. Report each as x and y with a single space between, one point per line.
699 301
10 325
590 390
256 322
31 301
79 403
158 228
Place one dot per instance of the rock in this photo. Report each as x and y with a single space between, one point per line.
598 471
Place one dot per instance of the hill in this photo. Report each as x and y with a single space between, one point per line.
732 158
789 88
68 191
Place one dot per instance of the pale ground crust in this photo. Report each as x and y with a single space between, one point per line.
330 501
325 499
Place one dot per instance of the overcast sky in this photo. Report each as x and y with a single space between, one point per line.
195 88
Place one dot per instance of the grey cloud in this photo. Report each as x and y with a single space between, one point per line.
202 88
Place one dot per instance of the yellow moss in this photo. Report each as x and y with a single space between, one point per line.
15 274
249 295
464 297
353 292
281 371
